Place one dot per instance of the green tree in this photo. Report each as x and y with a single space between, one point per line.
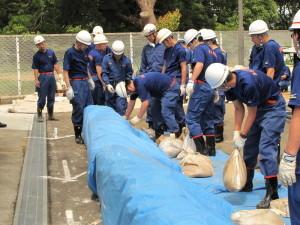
253 10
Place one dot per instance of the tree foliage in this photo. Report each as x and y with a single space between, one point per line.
57 16
170 20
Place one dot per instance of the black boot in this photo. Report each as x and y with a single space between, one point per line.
78 138
271 193
50 114
40 115
2 125
95 197
219 133
249 183
200 145
211 145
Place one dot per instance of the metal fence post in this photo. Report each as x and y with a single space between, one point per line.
131 47
221 40
19 84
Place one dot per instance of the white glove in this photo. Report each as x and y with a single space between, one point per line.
216 96
182 89
135 120
110 88
91 84
287 169
70 93
124 117
239 143
236 134
190 88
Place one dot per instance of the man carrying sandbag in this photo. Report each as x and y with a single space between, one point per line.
263 124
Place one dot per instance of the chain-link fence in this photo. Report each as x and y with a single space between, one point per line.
16 76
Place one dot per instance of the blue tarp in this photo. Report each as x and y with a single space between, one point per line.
137 183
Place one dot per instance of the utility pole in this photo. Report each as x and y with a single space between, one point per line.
241 33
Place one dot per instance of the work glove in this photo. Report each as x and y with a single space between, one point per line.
238 141
287 169
182 89
216 96
135 120
190 88
70 93
91 84
110 88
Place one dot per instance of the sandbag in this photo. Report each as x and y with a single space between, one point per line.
171 146
197 165
183 153
280 207
256 217
188 143
235 173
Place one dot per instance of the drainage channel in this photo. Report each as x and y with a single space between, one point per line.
32 202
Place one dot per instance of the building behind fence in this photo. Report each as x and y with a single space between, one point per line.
16 76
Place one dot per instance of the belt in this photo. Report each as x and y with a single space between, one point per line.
46 73
271 101
83 78
199 81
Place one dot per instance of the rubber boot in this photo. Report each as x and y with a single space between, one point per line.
249 183
211 145
94 197
78 138
50 114
200 145
219 133
271 193
2 125
40 115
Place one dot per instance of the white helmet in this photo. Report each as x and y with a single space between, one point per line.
296 21
38 39
201 31
190 35
121 89
215 74
118 47
258 27
163 34
84 37
149 29
100 39
97 30
208 34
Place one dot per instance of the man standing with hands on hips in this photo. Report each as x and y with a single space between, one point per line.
43 63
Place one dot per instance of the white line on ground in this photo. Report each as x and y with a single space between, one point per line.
70 218
79 175
67 136
66 170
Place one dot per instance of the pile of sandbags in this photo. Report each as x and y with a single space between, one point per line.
197 165
235 173
256 217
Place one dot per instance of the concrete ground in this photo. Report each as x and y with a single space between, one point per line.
13 141
69 197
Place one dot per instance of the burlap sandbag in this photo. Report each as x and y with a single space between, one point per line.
197 165
171 146
281 207
256 217
235 173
